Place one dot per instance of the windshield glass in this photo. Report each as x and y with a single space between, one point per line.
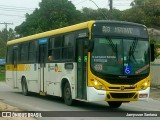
120 56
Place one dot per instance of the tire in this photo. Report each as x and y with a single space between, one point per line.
67 94
114 104
24 87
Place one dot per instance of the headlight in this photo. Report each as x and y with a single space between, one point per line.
144 85
98 85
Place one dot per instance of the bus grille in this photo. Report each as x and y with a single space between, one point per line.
117 80
118 88
122 95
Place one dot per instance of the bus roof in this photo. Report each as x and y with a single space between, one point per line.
119 22
71 28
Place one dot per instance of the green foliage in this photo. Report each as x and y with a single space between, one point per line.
135 14
2 77
147 11
4 36
139 2
156 43
2 73
100 14
52 14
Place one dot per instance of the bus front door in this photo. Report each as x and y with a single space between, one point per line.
42 68
15 59
81 69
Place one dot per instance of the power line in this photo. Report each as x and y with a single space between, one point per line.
80 2
13 10
99 8
12 15
15 7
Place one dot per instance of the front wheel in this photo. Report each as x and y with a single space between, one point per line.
114 104
67 94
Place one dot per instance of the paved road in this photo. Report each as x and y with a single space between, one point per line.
39 103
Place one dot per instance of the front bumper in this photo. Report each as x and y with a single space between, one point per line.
125 96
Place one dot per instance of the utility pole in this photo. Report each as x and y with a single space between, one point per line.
6 25
111 6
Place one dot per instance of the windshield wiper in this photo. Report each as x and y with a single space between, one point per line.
114 47
132 50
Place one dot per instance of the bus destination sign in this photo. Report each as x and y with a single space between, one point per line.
120 30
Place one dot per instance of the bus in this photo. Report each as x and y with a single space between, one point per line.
97 60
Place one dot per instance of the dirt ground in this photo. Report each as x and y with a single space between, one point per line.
7 107
154 94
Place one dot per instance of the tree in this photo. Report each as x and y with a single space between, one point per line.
4 36
139 2
150 12
137 15
100 14
52 14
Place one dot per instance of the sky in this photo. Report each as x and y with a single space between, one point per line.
13 11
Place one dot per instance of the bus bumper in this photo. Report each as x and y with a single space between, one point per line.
144 94
127 96
102 95
95 95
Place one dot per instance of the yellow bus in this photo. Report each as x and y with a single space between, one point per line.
98 60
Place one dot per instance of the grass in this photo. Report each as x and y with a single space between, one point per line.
2 73
2 77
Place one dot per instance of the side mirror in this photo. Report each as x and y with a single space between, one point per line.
152 52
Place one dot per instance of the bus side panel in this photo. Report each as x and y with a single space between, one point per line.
54 78
9 75
56 73
32 78
30 72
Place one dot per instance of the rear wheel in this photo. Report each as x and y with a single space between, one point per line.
67 94
24 87
114 104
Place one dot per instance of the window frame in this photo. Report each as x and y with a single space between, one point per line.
52 48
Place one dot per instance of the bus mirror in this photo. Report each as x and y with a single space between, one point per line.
90 45
152 52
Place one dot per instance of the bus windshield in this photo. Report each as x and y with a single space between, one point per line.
118 56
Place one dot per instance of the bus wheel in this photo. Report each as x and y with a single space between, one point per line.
67 94
114 104
24 87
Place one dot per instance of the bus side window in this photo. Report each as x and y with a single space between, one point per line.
68 52
32 51
24 52
54 48
9 55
